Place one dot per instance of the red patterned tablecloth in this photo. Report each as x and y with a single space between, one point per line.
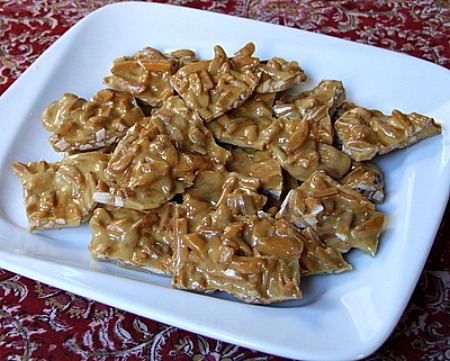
40 322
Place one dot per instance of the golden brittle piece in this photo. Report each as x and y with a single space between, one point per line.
367 179
146 171
195 211
290 143
241 201
261 165
254 258
317 105
318 258
342 217
79 125
146 75
365 133
215 86
60 194
245 125
212 188
210 185
134 239
186 128
278 75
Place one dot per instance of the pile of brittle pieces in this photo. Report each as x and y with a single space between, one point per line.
219 173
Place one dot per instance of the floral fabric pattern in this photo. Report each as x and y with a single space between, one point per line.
40 322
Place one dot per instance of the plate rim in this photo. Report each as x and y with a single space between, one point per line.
9 262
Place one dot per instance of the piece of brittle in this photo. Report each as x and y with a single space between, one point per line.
365 133
318 258
80 125
187 129
342 217
317 105
245 125
195 211
212 188
146 170
277 75
134 239
146 75
59 194
299 154
215 86
255 258
367 179
261 165
210 185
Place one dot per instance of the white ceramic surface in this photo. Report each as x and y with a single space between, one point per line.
345 316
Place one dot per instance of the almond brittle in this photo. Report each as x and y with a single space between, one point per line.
134 239
260 165
245 125
365 133
319 258
299 154
256 258
146 171
219 173
79 125
146 75
210 185
317 105
367 179
186 128
59 194
342 217
278 75
215 86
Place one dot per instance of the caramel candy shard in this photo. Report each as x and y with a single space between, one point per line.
367 179
342 217
318 258
208 186
195 211
59 194
278 75
255 259
146 75
241 201
365 133
245 125
134 239
261 165
290 143
187 129
82 125
215 86
213 188
146 171
343 108
317 105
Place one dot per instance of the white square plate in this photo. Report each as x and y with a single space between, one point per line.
346 316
